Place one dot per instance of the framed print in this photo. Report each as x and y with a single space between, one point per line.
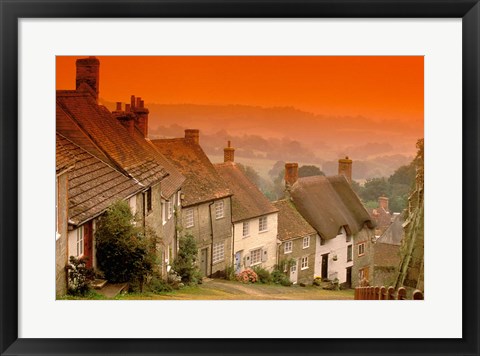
167 114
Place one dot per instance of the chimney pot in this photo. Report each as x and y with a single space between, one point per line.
119 106
291 174
345 168
229 153
137 105
132 102
383 202
127 107
142 104
88 72
192 135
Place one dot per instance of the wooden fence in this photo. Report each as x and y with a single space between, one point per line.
382 293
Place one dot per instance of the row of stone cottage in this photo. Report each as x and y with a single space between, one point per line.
321 228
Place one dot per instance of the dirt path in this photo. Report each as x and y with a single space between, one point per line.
218 289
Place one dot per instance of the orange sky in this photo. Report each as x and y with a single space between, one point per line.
388 88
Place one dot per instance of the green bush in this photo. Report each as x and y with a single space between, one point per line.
230 273
79 277
157 285
125 253
279 277
264 276
185 263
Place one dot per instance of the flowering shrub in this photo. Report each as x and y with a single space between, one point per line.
247 276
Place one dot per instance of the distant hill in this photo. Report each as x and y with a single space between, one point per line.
289 134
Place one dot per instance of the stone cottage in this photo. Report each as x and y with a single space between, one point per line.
254 218
206 202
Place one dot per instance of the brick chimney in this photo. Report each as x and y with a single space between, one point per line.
126 118
192 135
88 70
229 153
291 174
345 168
383 202
141 113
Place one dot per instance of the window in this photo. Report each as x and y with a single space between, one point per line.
306 242
148 197
80 241
288 247
246 229
219 213
170 209
304 264
361 249
164 212
256 256
189 218
349 238
349 253
262 224
218 252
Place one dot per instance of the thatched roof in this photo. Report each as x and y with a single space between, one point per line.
291 224
329 203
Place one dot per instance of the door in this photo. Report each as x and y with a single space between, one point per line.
349 277
238 259
294 272
325 266
88 244
204 261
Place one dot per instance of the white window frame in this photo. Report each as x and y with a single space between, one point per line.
246 229
219 209
164 212
80 241
361 249
307 240
262 227
304 263
218 252
253 254
189 218
288 247
170 208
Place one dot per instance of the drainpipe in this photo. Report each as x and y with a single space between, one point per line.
211 229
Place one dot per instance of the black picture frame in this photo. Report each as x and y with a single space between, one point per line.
11 11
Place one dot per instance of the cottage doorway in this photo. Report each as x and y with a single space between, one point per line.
349 277
238 259
293 272
204 261
325 266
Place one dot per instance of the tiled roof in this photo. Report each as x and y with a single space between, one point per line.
93 185
291 224
329 203
64 159
131 154
203 183
394 233
247 201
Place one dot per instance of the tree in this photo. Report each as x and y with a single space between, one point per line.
374 188
185 263
278 167
308 171
124 252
